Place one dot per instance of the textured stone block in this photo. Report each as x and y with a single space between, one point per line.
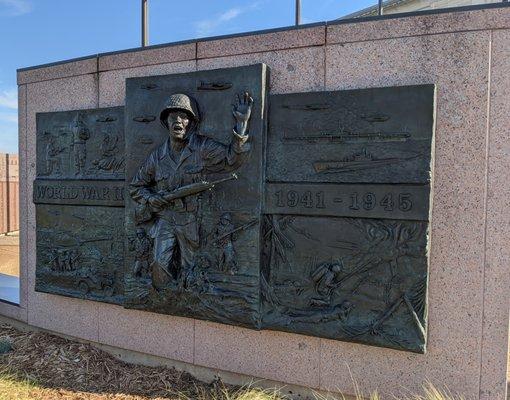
65 315
62 70
160 335
277 356
261 42
295 70
496 276
494 18
22 149
458 65
150 56
112 84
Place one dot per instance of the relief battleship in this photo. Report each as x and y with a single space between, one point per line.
358 161
345 136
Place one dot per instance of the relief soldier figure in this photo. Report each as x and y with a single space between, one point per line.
142 247
109 160
53 161
324 279
181 162
224 240
80 136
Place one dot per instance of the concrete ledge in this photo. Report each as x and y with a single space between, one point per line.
150 56
416 25
13 311
280 40
55 71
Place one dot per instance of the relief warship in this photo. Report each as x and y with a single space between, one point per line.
358 161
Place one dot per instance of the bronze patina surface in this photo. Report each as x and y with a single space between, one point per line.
195 151
79 196
301 212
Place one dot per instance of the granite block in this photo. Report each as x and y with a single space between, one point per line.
112 84
494 18
149 56
496 306
295 70
63 70
161 335
271 355
20 312
253 43
16 312
458 65
65 315
69 316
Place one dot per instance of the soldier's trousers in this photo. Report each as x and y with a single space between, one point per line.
172 241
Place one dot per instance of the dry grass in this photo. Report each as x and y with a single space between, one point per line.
47 367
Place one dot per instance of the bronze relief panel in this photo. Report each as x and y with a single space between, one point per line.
79 197
347 206
194 145
318 226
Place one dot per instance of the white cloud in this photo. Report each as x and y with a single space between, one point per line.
207 26
13 8
9 98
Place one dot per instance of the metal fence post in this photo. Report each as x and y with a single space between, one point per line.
145 29
8 193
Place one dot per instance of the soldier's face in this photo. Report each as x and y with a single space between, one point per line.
178 122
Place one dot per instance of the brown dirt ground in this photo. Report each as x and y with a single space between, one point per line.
63 369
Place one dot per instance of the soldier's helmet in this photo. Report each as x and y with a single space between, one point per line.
180 102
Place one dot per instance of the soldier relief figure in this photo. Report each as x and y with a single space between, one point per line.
225 236
168 184
53 158
109 160
142 247
80 136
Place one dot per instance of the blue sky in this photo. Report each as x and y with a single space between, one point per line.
40 31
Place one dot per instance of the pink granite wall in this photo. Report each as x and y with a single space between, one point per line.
466 54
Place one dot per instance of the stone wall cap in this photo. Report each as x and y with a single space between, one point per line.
447 10
332 23
430 22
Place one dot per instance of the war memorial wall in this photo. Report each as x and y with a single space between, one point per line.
304 205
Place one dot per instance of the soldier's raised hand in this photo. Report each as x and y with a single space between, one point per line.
242 112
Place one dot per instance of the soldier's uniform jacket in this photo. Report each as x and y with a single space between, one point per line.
162 173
